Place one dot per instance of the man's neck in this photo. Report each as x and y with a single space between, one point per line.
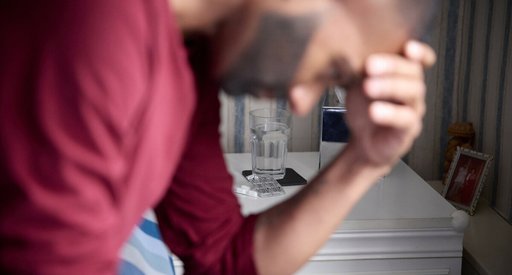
202 15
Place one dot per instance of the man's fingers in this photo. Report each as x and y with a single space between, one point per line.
390 64
421 53
395 89
396 116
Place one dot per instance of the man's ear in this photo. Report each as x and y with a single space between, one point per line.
303 98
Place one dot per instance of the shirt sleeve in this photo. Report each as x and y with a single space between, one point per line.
200 216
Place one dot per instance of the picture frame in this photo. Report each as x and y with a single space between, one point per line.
466 177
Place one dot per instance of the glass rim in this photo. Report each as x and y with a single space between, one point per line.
277 112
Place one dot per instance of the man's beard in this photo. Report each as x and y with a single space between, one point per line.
268 65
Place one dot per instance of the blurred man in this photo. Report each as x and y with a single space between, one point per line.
102 117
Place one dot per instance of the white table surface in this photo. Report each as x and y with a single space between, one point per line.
401 200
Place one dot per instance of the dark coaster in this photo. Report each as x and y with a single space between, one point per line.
291 177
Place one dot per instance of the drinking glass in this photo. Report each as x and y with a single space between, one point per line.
270 131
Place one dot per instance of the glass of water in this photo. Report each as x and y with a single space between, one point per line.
270 130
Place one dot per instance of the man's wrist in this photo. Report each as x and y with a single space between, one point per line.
352 164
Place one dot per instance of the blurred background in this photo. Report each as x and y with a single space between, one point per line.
471 82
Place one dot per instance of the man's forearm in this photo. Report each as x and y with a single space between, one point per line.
288 234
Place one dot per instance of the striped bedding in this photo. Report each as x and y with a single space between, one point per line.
145 253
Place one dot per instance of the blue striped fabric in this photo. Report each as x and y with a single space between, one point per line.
449 74
483 94
145 253
239 124
469 56
282 103
499 112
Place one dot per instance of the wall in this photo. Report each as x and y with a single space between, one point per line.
472 82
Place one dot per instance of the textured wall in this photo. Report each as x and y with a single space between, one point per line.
472 81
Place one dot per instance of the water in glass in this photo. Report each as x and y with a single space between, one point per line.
269 142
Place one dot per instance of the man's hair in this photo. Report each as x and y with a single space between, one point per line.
420 14
414 16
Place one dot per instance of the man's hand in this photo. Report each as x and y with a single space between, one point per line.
385 113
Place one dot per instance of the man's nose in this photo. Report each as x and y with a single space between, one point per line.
304 97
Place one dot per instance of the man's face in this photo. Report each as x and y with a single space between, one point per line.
269 48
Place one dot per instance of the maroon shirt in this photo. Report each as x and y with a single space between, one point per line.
100 120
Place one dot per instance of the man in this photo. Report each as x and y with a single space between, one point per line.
101 120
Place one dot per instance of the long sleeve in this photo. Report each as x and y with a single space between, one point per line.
200 216
90 133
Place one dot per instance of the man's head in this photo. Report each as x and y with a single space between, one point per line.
270 47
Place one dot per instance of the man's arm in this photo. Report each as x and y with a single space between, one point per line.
385 117
199 216
297 228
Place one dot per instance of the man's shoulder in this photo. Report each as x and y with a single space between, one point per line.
52 17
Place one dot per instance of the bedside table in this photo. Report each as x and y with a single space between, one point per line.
401 226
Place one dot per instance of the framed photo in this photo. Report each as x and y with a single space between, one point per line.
466 178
